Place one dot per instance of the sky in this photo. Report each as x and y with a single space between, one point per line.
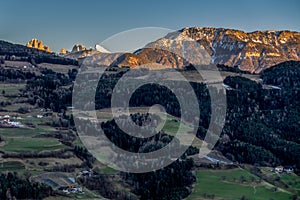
63 23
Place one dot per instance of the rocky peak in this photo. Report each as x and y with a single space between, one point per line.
37 44
63 51
78 47
253 51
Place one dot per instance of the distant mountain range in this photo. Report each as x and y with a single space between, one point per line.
251 52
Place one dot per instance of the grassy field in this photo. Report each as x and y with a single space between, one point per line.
58 68
11 88
88 194
289 181
25 140
15 106
32 144
233 184
25 132
292 180
11 166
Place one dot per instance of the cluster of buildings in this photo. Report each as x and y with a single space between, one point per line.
61 182
71 189
5 120
86 172
281 169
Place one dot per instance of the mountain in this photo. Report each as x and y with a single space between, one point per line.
37 44
80 52
63 51
162 58
252 52
78 47
10 49
101 49
17 52
97 58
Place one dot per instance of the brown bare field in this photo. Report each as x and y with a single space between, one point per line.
58 68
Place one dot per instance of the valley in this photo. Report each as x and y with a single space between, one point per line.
39 139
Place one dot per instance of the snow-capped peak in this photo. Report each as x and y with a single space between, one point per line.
101 49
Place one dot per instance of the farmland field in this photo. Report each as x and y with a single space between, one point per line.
32 144
11 166
11 88
234 184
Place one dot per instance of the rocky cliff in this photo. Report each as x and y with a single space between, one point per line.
37 44
252 52
78 48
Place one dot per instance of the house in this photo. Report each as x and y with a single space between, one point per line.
278 169
72 179
5 118
66 191
71 189
288 169
16 124
87 172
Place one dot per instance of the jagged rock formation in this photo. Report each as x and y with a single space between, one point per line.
37 44
63 51
252 52
78 48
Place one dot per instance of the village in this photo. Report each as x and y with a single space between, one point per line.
7 121
283 169
64 183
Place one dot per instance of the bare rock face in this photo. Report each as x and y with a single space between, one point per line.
37 44
63 51
252 52
149 58
78 48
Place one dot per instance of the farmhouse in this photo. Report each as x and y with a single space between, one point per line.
71 189
288 169
39 116
278 169
86 172
5 121
5 118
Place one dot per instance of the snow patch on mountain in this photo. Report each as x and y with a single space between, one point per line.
101 49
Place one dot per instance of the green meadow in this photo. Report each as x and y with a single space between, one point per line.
234 184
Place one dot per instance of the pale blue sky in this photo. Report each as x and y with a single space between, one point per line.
62 23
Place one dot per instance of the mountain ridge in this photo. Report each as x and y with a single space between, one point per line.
249 51
253 51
